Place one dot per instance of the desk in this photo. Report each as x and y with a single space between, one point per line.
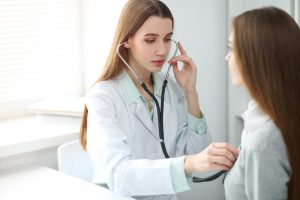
42 183
27 134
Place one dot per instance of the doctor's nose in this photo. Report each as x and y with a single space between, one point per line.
162 49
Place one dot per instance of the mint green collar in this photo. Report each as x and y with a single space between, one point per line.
130 91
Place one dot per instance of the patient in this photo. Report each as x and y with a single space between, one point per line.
264 57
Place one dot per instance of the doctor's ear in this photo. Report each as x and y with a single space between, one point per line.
126 44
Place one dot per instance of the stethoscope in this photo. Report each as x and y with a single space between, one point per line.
160 111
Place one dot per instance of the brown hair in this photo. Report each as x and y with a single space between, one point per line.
133 16
267 46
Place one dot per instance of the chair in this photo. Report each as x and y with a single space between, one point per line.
74 161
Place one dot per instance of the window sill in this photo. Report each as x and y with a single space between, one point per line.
30 133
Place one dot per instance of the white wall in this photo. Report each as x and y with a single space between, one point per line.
201 26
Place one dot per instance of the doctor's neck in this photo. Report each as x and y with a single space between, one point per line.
144 75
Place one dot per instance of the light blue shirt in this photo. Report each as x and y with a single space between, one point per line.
181 181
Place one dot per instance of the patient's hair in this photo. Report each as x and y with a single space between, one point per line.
267 46
133 16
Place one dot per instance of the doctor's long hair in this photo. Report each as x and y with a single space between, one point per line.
267 47
133 16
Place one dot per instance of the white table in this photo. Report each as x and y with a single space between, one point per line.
42 183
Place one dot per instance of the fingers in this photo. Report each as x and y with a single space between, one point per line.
175 68
226 146
223 152
220 160
218 167
221 155
187 62
182 58
181 49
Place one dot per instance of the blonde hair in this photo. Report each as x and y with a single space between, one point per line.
132 17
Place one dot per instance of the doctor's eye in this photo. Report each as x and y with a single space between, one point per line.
149 41
168 39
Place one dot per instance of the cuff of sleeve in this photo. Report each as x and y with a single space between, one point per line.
180 180
197 125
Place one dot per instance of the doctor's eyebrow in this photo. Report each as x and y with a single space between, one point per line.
154 34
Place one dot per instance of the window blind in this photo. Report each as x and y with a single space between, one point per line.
39 51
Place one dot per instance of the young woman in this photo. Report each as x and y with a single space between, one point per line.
265 57
120 127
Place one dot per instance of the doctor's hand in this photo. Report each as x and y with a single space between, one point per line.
217 156
186 78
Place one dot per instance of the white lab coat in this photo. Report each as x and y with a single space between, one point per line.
123 141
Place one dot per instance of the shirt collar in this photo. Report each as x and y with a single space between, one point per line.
130 91
254 117
158 82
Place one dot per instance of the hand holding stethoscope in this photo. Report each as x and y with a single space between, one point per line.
186 78
212 158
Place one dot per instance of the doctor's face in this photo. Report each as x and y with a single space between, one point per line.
150 45
236 76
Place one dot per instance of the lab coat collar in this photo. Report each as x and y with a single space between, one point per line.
152 125
128 88
134 98
143 116
254 117
130 91
158 82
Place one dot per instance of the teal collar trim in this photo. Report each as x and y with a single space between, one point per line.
157 84
130 91
128 88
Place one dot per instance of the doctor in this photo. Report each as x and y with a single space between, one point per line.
119 128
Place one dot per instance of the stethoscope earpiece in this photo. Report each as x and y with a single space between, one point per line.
126 44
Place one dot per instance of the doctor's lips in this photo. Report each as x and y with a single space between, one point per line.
158 63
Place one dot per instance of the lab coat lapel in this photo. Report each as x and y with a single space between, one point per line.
166 114
144 117
158 89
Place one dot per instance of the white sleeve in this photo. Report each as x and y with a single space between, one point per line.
108 148
189 141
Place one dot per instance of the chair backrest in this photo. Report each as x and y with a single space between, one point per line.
74 161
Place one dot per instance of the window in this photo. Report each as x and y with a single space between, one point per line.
99 22
39 52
